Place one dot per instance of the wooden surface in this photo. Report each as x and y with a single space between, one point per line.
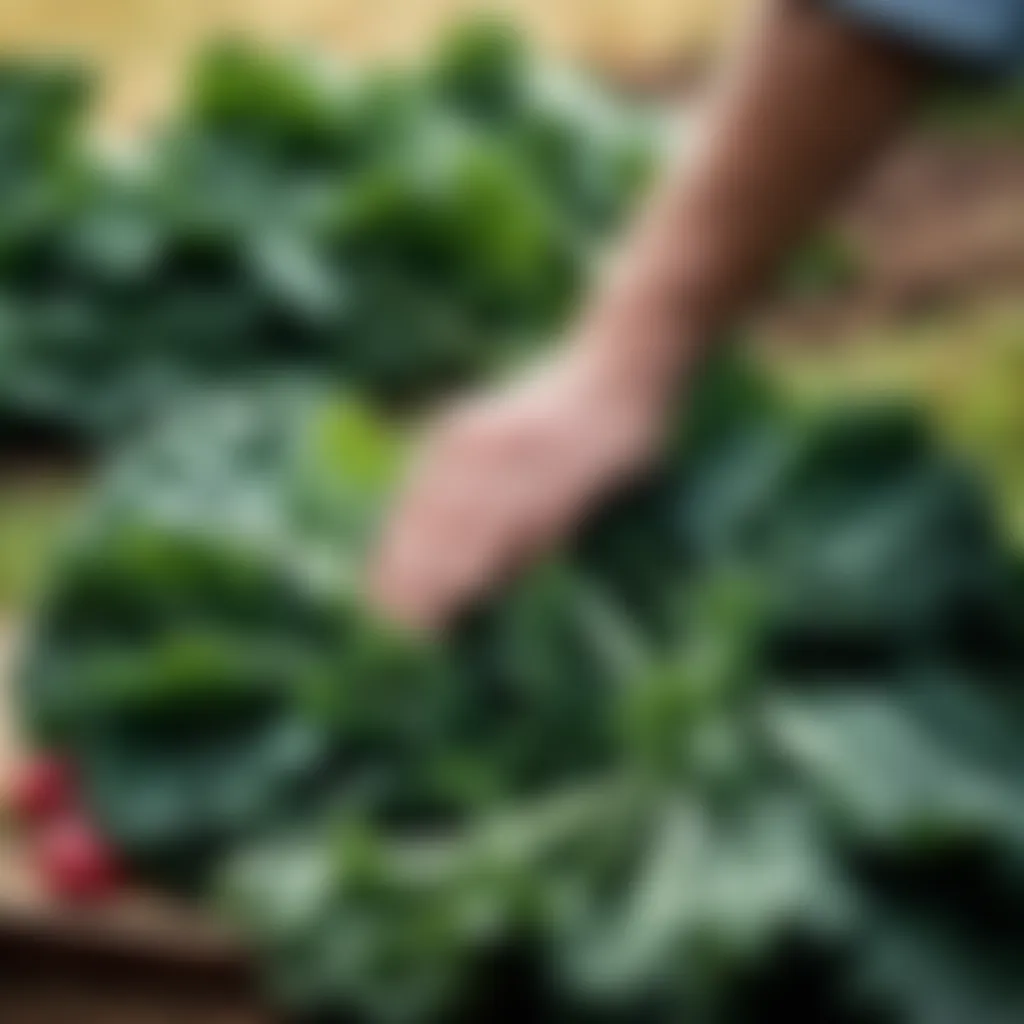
43 982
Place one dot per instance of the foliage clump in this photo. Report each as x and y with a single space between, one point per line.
398 231
750 747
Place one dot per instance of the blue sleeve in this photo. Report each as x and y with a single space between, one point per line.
981 35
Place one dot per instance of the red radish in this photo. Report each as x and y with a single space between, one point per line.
76 862
42 788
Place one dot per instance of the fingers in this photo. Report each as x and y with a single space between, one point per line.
499 482
478 502
437 553
445 541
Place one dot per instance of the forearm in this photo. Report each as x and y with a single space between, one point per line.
806 104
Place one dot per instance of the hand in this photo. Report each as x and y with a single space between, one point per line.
506 476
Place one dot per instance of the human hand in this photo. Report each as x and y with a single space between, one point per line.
505 476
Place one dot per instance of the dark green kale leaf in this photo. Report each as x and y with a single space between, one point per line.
750 747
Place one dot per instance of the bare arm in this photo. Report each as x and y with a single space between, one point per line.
805 104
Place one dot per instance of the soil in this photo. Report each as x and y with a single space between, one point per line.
939 224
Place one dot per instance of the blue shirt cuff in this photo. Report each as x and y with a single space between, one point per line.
981 35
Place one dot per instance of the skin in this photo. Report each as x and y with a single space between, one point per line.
805 104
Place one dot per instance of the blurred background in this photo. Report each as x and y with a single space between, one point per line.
922 290
138 54
917 286
140 45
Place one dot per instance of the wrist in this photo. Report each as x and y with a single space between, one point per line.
658 307
623 390
640 343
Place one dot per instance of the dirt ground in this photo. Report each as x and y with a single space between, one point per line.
940 224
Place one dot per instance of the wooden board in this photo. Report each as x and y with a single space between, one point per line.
139 924
44 984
